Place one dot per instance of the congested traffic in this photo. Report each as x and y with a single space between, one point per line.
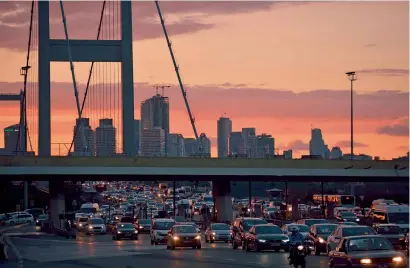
186 218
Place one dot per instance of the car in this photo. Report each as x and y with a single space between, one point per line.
160 229
95 226
81 223
41 219
124 230
19 218
393 234
310 222
349 223
183 236
345 231
218 232
242 226
366 251
318 235
347 216
144 225
266 237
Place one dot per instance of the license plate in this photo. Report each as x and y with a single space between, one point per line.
275 244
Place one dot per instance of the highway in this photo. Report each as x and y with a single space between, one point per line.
43 250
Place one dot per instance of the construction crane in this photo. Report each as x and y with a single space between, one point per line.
157 87
181 85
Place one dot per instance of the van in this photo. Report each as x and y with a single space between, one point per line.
393 214
89 209
160 229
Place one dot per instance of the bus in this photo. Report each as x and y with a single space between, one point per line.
339 200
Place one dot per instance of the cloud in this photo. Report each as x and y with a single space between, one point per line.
207 102
298 145
370 45
399 128
387 72
403 148
83 18
346 144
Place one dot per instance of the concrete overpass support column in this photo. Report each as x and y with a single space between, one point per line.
221 191
57 202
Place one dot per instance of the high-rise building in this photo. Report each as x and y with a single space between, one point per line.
287 154
249 141
192 149
224 130
155 113
11 134
336 153
79 148
176 145
265 146
206 144
106 138
236 146
317 145
153 142
137 128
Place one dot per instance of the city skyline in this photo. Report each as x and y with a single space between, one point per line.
278 93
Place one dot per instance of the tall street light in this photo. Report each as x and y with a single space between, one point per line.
352 77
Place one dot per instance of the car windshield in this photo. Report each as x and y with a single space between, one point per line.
399 218
357 231
249 223
346 214
220 226
88 210
185 229
369 244
43 217
310 222
390 230
125 225
268 229
83 219
165 225
209 199
325 229
302 228
96 221
145 221
349 223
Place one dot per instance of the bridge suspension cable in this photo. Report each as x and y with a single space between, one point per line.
90 74
181 85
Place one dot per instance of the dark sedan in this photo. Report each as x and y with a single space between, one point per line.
266 237
40 219
183 236
144 225
318 235
369 251
124 230
393 233
347 216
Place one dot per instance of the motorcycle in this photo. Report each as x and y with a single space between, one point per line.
298 254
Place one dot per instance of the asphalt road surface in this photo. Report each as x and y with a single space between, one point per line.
40 250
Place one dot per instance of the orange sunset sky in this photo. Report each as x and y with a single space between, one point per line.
276 66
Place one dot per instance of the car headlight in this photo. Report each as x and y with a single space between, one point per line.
198 237
262 240
176 238
357 219
136 231
397 259
118 232
90 227
300 247
285 240
213 233
141 227
344 219
81 225
321 240
365 261
37 221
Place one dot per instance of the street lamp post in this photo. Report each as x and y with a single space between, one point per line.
352 77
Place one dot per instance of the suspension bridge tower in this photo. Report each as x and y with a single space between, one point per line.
55 50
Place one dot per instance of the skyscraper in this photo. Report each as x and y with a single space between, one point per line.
224 130
336 153
11 135
155 113
192 148
106 138
265 146
236 146
317 145
79 148
137 127
249 141
206 144
287 154
153 142
176 145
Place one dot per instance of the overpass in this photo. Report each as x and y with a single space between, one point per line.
220 171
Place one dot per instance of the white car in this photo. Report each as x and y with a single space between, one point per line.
160 229
95 226
20 218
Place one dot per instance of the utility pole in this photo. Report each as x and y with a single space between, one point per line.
352 77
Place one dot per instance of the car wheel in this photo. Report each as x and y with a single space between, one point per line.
136 238
172 247
212 241
243 245
317 251
152 242
206 239
234 246
156 243
168 247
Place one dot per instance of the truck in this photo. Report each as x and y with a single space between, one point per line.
393 214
